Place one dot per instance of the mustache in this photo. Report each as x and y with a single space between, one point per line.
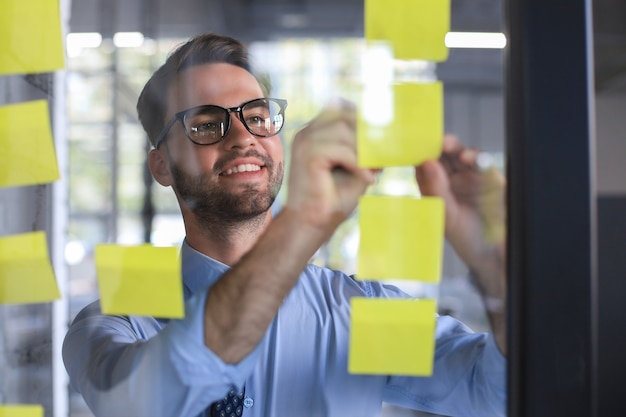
221 163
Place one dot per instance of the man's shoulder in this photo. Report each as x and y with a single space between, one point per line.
143 327
325 272
322 276
334 279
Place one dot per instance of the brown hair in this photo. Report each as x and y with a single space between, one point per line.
202 49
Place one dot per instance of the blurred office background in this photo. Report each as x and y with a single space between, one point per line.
310 51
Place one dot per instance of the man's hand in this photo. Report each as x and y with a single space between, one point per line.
325 182
474 199
475 221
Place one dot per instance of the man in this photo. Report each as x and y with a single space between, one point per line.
260 322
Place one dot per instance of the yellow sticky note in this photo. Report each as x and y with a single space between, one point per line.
416 29
400 124
26 145
139 280
400 238
31 40
392 336
26 275
21 410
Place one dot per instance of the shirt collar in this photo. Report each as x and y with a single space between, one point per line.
199 271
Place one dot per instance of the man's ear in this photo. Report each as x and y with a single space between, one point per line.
160 167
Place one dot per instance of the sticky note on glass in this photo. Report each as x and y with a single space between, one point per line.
400 124
139 280
26 145
400 238
416 29
392 336
31 40
21 410
26 274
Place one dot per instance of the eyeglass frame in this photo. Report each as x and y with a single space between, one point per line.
180 116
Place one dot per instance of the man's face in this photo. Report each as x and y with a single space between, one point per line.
235 179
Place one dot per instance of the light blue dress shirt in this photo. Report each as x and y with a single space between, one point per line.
141 366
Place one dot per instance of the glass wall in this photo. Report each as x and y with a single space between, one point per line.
111 197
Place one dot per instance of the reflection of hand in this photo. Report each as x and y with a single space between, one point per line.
325 182
492 206
475 228
474 200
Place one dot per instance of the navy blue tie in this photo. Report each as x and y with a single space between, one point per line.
230 406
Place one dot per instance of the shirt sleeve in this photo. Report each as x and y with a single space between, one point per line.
469 376
469 372
123 369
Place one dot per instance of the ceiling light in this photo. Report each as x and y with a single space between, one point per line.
77 41
475 40
128 39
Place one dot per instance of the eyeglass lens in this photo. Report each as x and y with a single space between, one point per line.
207 124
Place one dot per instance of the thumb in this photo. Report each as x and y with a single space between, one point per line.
432 179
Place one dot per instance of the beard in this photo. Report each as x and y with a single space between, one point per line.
217 209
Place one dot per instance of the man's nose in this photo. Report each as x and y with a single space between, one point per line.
238 135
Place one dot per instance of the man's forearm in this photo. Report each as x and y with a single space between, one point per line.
490 278
242 304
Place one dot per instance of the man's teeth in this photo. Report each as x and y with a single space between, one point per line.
242 168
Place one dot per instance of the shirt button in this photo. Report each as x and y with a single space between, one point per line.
248 402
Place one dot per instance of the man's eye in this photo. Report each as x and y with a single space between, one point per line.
255 120
204 129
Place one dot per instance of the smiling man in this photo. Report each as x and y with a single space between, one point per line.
266 333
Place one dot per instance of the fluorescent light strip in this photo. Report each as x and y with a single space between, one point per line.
128 39
84 40
77 41
475 40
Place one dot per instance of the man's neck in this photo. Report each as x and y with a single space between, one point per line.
226 243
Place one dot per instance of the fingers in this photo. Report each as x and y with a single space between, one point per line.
332 135
325 178
431 178
453 170
455 157
337 111
338 115
451 143
454 177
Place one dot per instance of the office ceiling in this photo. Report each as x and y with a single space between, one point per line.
251 20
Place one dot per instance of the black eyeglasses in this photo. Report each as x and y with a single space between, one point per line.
209 124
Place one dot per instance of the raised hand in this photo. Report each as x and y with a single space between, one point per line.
475 221
325 181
